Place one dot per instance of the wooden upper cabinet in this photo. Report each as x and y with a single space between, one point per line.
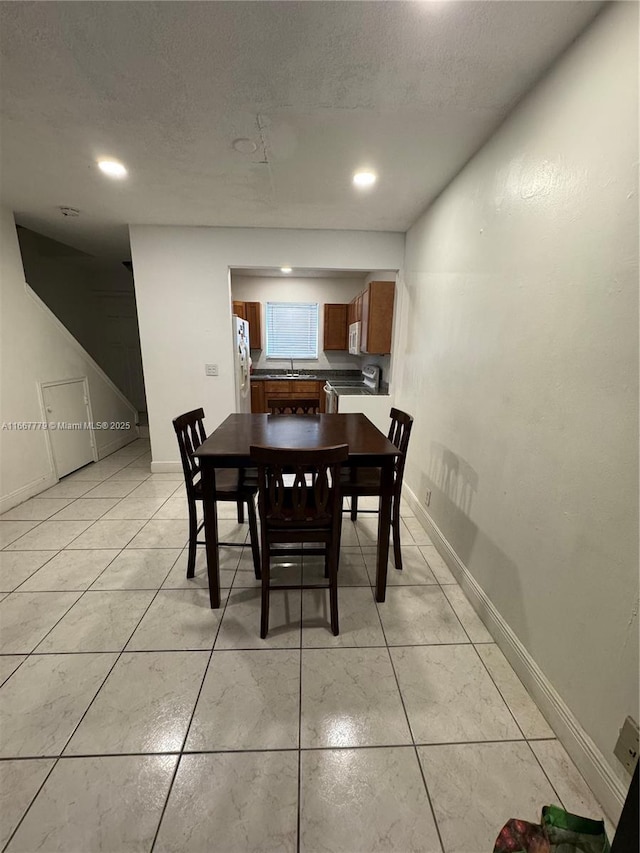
354 310
252 313
377 317
336 333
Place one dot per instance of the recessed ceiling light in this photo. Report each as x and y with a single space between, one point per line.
112 168
285 269
365 179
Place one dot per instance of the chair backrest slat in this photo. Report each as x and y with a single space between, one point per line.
291 406
399 434
299 486
191 434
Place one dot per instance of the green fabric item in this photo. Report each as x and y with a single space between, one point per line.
569 833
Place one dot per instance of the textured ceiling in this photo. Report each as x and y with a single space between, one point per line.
410 89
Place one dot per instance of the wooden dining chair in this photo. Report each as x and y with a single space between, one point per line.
232 484
365 482
299 501
291 406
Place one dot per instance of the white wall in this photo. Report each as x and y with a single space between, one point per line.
36 348
522 371
297 289
183 296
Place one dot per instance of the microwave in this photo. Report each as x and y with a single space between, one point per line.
354 338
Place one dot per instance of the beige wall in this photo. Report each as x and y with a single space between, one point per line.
521 325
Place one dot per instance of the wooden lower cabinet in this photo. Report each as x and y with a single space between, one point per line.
257 397
263 390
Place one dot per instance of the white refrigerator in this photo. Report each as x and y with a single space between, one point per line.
242 362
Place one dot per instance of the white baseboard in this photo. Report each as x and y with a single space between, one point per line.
23 494
166 467
591 763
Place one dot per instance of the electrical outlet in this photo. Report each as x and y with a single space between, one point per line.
211 369
427 499
626 749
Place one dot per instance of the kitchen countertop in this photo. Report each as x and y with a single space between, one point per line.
345 382
317 375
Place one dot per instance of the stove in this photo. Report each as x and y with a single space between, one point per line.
367 385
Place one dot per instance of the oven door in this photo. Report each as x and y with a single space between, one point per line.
331 400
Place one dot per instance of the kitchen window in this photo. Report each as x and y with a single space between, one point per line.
292 329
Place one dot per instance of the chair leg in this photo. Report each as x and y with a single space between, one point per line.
395 527
253 535
240 512
193 537
354 508
333 588
264 613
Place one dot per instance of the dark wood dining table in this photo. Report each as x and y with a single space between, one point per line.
228 447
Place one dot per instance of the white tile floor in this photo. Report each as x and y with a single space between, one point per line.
136 719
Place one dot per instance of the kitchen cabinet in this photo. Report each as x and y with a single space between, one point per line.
257 397
252 313
336 333
374 309
297 389
354 313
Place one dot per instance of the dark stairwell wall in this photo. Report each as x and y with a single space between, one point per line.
94 299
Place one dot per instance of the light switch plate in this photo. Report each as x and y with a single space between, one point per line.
211 369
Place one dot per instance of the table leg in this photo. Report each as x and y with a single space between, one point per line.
384 527
211 532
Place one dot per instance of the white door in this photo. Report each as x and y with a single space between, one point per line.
67 403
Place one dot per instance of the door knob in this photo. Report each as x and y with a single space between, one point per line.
49 409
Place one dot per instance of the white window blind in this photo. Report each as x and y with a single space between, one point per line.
292 329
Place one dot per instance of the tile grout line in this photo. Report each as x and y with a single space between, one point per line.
406 715
32 801
188 729
525 739
40 495
55 763
102 683
292 749
300 652
546 775
82 594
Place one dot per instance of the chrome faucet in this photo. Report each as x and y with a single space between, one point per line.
291 360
